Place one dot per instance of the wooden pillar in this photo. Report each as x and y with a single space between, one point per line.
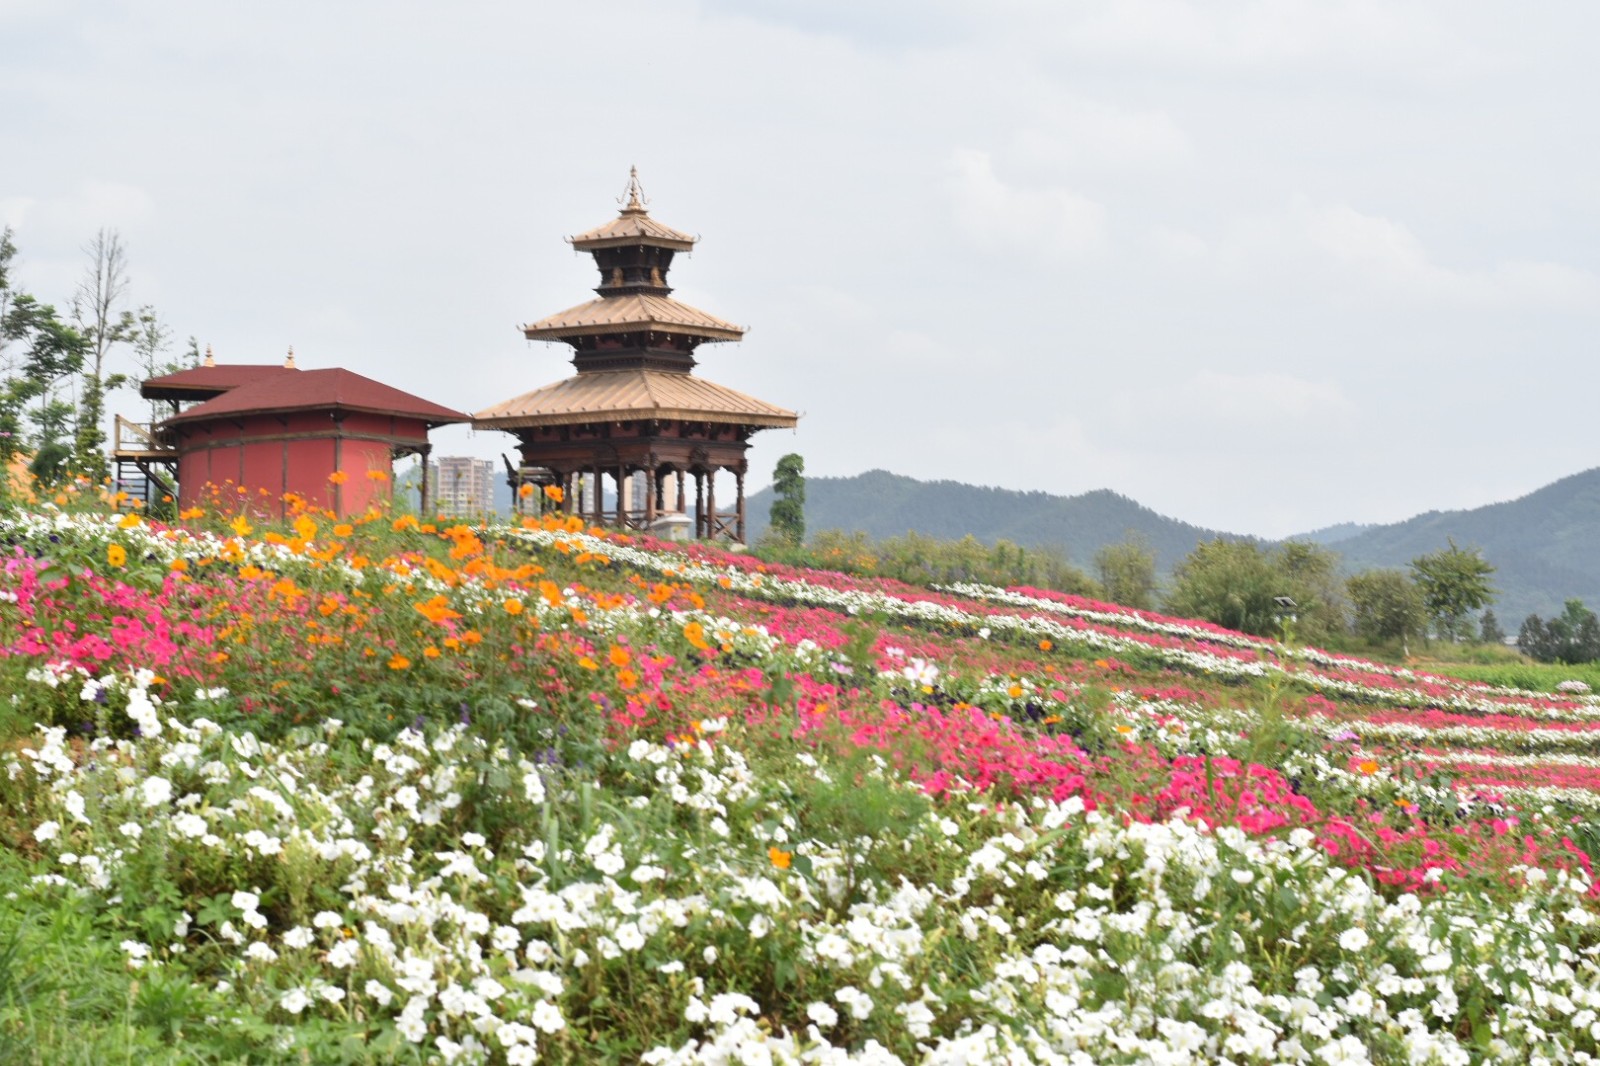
677 476
569 495
738 476
699 504
652 489
624 498
599 495
711 504
422 505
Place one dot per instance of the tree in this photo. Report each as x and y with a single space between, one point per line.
787 519
1489 631
1573 637
1239 583
53 353
1386 605
99 317
1128 573
1454 583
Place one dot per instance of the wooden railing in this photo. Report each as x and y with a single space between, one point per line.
137 437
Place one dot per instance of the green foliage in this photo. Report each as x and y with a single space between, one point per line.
921 560
788 514
1386 605
1127 572
1573 637
1489 631
1454 583
1238 583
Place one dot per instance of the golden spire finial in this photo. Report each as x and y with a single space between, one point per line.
634 192
211 360
288 364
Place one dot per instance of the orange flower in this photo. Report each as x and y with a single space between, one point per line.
130 521
180 565
399 662
1014 691
525 491
190 513
779 858
695 634
1367 766
338 477
553 492
512 607
343 529
619 656
116 555
377 475
1045 645
241 525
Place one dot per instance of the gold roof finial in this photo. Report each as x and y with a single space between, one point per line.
634 192
211 360
288 364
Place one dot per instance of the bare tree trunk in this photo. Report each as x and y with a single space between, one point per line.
95 309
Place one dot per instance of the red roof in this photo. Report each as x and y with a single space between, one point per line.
209 379
316 390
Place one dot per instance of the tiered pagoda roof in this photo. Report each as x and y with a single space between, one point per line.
633 344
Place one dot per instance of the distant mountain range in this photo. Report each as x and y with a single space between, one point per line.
1545 546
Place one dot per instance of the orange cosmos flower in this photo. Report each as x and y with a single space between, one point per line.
241 525
695 634
512 607
338 477
1367 766
377 475
343 529
399 662
619 656
553 492
779 858
525 491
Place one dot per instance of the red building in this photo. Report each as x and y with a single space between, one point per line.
330 436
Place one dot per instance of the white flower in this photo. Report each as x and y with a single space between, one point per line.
379 992
155 791
857 1001
825 1016
547 1017
299 937
327 920
295 1000
1354 939
246 901
47 831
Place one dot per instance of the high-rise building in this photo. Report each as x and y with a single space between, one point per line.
462 486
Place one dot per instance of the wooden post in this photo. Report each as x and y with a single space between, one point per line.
711 504
677 476
699 505
651 489
739 480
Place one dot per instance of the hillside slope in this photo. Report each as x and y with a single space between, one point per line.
1545 546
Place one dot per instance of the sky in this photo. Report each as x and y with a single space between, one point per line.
1262 266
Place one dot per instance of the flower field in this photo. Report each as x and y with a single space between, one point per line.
392 791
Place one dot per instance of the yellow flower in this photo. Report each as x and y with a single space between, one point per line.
117 555
377 475
780 859
129 521
241 525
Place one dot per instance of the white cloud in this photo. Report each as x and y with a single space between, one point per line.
1048 222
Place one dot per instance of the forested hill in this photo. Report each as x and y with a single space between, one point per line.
882 504
1545 546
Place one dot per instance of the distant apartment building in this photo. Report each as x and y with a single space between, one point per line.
462 486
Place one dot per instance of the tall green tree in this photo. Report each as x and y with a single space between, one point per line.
103 322
787 518
1127 573
1238 584
1454 582
1571 637
1387 605
10 401
52 352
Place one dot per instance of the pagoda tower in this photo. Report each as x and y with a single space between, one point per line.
635 405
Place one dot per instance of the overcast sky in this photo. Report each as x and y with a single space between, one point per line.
1262 267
